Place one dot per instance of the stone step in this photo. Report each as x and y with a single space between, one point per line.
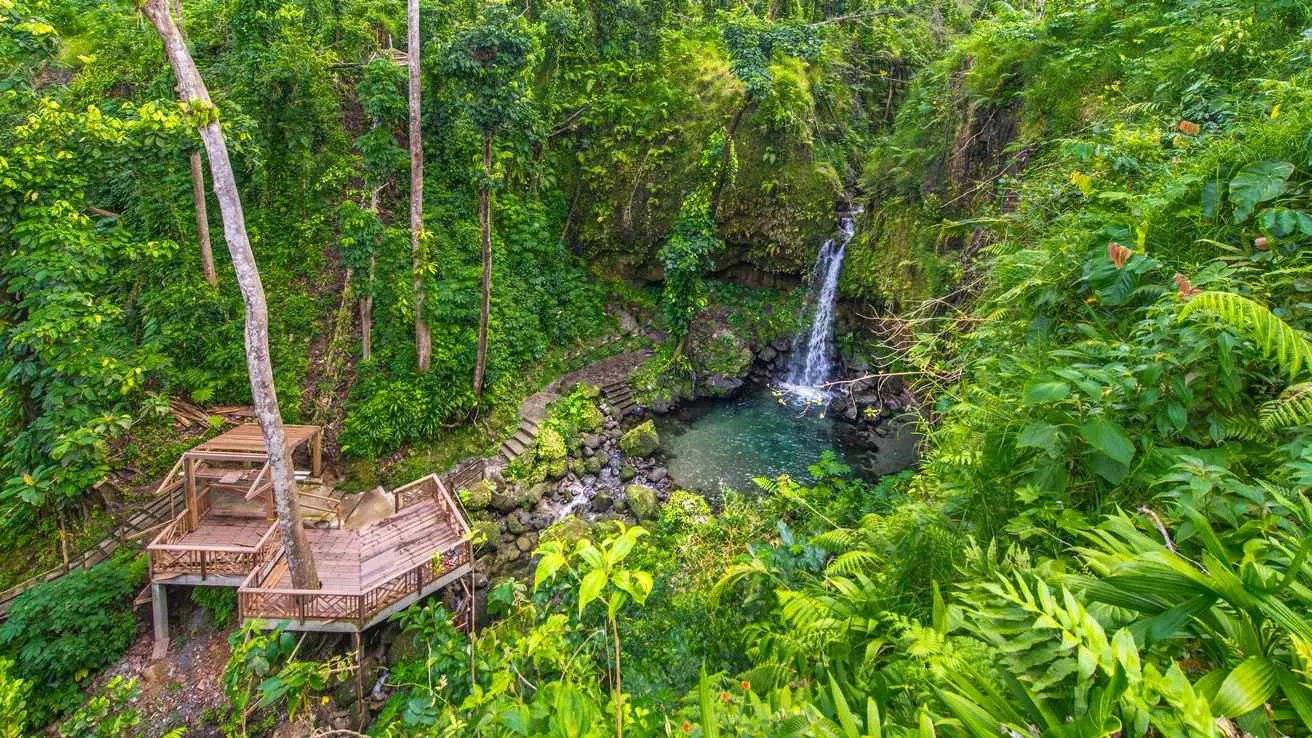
525 437
515 446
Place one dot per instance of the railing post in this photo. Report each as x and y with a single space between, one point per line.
202 565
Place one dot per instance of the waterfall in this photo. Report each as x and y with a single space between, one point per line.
811 360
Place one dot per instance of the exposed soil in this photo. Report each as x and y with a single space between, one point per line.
186 686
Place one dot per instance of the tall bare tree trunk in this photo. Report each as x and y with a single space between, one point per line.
202 219
423 337
367 299
192 91
485 219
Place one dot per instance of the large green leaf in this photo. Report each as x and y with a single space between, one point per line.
1042 393
1108 437
1258 183
591 586
1248 687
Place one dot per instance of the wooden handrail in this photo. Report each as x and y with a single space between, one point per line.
168 477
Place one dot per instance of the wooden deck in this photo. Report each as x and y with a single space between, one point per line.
227 536
369 573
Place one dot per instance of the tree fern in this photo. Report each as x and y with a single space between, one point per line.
1274 337
1293 407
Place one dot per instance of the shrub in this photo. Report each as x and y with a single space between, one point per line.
61 631
219 602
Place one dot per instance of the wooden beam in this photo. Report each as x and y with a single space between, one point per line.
316 455
192 513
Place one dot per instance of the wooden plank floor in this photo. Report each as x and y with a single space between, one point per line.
358 560
227 530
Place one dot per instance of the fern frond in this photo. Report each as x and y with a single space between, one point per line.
851 562
1253 320
1293 407
1244 428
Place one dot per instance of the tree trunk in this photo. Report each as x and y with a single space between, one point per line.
192 91
485 220
423 337
367 298
202 220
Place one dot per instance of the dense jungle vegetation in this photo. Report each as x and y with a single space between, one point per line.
1082 245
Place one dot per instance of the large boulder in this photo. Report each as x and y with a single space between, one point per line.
568 530
641 501
518 496
641 440
721 360
477 496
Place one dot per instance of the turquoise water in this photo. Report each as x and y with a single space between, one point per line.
723 444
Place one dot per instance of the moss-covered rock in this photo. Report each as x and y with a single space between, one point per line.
478 495
640 440
519 496
720 361
641 501
486 533
549 453
568 530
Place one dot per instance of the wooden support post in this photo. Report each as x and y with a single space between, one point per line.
159 605
316 455
361 710
192 513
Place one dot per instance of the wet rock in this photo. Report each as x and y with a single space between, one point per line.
768 353
627 473
515 523
601 503
577 467
641 501
781 344
592 465
641 440
540 521
478 496
657 474
721 385
527 542
592 441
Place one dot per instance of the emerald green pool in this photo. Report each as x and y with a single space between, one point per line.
716 445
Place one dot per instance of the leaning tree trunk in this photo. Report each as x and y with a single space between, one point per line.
192 91
423 337
485 220
202 219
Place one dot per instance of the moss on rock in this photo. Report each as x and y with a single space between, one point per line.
640 440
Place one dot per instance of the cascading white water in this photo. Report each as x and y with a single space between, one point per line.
811 360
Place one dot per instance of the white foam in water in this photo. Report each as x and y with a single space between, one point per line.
811 362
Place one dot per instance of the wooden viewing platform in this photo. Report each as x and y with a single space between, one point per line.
227 537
